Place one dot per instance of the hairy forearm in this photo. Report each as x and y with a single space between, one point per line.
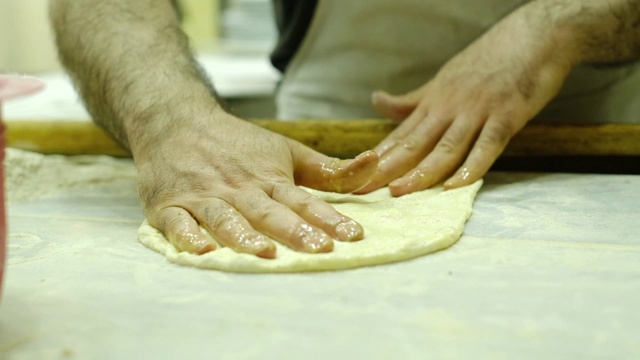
593 31
131 63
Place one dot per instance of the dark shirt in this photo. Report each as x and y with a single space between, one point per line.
293 18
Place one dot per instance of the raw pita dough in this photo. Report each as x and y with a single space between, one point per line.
395 229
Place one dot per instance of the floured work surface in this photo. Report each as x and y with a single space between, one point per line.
395 229
547 268
30 175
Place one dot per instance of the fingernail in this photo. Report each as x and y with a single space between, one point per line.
317 243
204 248
194 244
452 182
261 245
349 231
267 250
399 182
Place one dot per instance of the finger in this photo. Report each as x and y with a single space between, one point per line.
442 161
318 171
492 140
179 227
281 223
318 213
395 108
232 230
406 128
408 152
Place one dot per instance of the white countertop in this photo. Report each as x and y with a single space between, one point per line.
548 267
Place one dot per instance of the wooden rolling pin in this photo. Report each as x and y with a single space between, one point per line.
342 138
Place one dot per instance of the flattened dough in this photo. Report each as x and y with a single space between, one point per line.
395 229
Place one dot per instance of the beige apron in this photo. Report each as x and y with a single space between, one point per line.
354 47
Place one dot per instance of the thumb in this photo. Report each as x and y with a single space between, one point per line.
318 171
395 107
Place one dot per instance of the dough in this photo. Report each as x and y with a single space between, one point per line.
395 229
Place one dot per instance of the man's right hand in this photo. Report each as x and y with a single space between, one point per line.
238 181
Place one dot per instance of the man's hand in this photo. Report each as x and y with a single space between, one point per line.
461 120
197 165
237 181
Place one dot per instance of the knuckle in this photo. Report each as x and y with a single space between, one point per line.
266 214
217 213
410 144
447 146
437 116
279 190
305 205
221 219
257 206
159 220
178 224
253 199
452 140
497 134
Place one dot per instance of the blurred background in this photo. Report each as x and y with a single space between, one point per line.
26 44
232 39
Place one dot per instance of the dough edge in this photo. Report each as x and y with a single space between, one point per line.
456 204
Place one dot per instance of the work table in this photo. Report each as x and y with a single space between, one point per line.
548 267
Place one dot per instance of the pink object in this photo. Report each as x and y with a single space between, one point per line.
11 86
